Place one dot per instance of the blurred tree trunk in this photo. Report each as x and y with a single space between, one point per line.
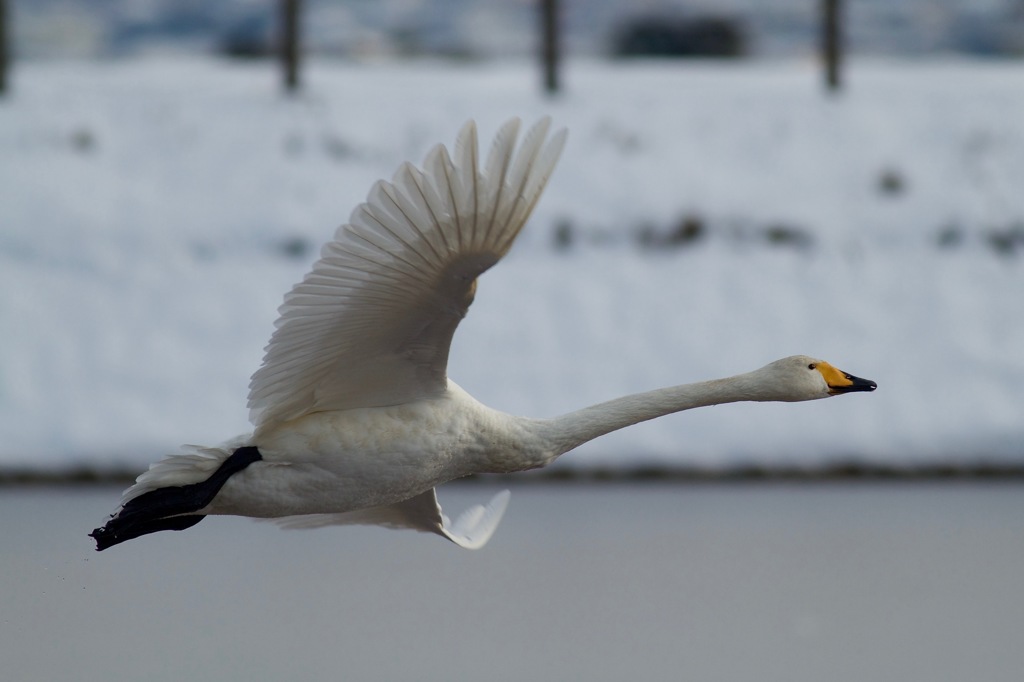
831 43
549 44
4 47
289 43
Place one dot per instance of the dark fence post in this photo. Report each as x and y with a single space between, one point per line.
4 47
289 46
549 44
831 43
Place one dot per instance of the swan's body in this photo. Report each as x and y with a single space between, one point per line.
356 420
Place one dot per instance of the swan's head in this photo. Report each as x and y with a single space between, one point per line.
804 378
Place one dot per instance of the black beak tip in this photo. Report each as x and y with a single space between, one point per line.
861 384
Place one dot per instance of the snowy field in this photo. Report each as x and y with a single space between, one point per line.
705 219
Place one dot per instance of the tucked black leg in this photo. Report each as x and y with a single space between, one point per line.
170 508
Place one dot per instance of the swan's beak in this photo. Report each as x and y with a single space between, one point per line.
840 382
851 384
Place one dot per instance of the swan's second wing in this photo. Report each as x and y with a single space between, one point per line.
471 529
371 324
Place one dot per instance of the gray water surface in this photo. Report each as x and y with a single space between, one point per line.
597 582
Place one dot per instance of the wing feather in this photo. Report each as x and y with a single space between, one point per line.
471 529
372 323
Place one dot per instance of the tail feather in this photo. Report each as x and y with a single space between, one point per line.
172 507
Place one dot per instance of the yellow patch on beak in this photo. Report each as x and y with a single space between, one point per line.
840 382
833 377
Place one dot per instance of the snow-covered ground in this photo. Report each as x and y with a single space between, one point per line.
153 213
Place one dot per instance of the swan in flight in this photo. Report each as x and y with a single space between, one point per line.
356 421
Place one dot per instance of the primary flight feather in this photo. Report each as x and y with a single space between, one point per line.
355 418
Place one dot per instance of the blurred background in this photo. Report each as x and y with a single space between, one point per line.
469 29
743 181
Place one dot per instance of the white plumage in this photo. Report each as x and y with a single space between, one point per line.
355 418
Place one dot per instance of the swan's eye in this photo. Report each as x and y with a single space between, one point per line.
812 366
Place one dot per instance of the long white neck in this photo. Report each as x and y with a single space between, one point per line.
571 430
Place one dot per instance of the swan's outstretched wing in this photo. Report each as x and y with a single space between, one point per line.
371 324
472 529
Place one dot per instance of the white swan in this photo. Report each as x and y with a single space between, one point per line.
355 418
